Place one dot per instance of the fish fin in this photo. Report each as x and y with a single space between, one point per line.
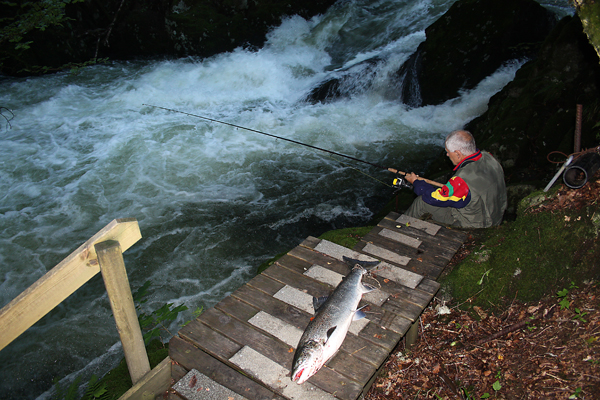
318 302
330 332
365 264
359 314
366 288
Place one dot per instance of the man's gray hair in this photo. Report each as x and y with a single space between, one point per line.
461 140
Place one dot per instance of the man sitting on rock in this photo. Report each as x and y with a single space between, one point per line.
475 197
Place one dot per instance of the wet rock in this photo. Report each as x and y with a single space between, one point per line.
468 43
346 82
534 115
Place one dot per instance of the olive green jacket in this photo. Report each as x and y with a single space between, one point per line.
485 179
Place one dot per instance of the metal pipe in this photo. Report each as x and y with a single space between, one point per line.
578 119
584 167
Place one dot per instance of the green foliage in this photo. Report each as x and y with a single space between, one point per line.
496 386
96 390
118 380
158 321
564 302
576 394
27 16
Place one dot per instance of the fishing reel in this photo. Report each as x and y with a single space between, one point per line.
400 182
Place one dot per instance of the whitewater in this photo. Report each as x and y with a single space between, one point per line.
213 202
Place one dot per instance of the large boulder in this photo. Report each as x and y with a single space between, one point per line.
468 43
535 114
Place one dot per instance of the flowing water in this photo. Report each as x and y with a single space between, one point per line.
213 202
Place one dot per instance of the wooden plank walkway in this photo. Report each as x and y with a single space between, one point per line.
246 343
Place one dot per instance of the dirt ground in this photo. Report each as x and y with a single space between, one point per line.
543 350
532 351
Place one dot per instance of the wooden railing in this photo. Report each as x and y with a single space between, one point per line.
101 253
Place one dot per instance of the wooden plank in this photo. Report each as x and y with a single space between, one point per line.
352 345
450 234
346 364
266 284
403 275
190 357
366 351
398 304
177 371
424 254
385 338
404 308
308 257
245 334
265 370
303 282
419 296
414 265
437 246
450 244
310 242
273 306
220 346
329 381
154 383
62 280
112 266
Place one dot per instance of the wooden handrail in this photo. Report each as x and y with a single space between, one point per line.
68 276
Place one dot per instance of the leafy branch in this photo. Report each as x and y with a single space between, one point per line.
29 16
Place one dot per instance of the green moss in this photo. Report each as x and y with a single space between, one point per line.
533 256
118 380
267 264
347 237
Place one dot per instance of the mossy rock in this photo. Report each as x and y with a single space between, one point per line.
589 13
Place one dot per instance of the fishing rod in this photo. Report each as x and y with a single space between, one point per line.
395 171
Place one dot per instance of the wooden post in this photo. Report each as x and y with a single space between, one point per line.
115 278
413 334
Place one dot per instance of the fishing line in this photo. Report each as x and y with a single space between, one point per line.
361 172
269 134
395 171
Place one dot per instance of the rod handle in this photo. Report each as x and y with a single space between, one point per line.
434 183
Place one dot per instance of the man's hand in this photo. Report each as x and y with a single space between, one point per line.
411 177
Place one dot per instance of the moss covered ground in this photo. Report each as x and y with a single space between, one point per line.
552 243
